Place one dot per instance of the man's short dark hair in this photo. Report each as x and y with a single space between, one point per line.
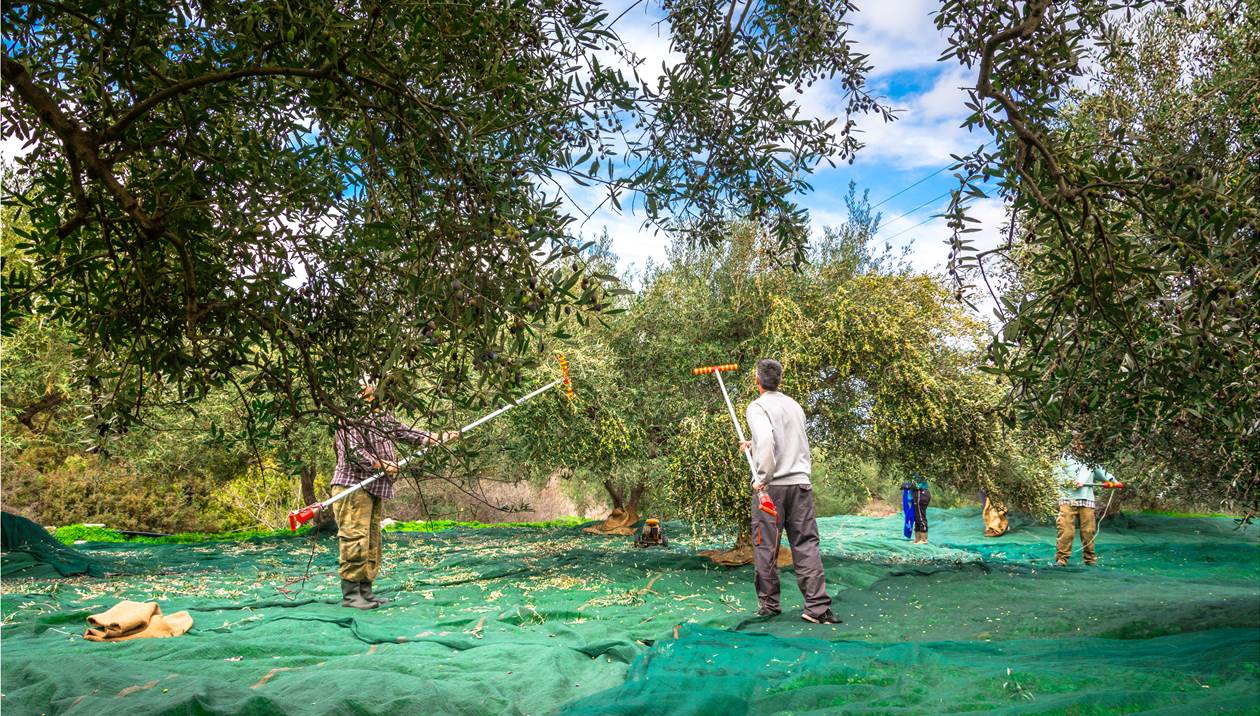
770 373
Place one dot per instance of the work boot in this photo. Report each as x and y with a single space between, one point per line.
365 588
827 617
768 612
352 596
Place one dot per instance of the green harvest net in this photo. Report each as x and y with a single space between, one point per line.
528 621
29 551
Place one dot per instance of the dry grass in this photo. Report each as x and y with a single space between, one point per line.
493 502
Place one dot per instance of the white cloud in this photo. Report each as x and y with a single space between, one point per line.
648 36
927 131
929 248
928 128
11 146
634 243
898 35
929 244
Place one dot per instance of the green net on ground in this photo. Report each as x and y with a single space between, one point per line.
29 551
555 621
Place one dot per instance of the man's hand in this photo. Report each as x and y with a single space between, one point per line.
758 486
387 465
450 436
745 445
1079 484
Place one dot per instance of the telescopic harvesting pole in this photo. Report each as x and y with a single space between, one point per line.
304 515
717 370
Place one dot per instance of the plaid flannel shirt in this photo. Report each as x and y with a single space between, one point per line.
369 442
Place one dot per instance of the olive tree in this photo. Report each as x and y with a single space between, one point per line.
282 197
1125 147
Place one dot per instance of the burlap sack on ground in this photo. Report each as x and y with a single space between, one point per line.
136 620
619 522
995 523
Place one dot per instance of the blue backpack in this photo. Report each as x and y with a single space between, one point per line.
907 507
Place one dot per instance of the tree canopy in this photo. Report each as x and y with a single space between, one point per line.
290 195
884 361
1126 146
265 203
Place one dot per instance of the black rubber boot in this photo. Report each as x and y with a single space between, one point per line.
827 617
352 596
365 588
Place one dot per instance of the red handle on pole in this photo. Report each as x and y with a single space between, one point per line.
302 516
767 504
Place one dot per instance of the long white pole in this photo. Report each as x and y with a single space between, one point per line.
401 463
738 430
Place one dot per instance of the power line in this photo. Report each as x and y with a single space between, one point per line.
912 228
920 206
903 191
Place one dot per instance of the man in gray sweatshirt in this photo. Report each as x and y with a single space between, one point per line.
780 452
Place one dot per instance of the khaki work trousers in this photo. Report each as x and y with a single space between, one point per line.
359 536
1068 515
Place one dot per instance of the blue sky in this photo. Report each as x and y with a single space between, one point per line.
903 44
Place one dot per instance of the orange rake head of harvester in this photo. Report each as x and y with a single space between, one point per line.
564 374
724 368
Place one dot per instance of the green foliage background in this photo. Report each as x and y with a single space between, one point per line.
884 361
1127 143
161 369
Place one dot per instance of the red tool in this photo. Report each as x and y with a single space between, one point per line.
564 372
767 504
763 499
305 514
1106 484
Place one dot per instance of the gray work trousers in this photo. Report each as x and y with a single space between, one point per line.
795 505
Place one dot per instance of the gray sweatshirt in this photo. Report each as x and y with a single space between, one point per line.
780 449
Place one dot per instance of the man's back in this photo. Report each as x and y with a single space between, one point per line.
780 455
780 446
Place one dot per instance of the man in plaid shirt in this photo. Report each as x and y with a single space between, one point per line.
1076 501
364 449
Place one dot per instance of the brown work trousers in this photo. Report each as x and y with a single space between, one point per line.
795 505
1067 532
359 536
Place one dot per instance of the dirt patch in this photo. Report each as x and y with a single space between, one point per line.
137 687
879 508
491 502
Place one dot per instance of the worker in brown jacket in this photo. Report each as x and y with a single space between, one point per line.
364 448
